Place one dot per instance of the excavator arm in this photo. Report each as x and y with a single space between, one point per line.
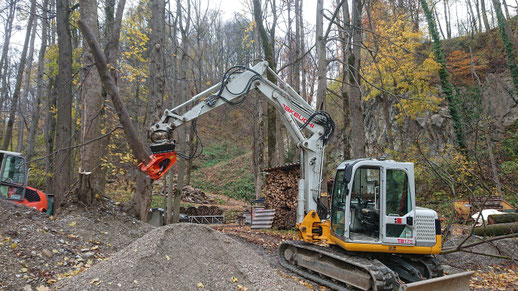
310 129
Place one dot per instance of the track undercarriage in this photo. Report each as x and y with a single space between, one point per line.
342 270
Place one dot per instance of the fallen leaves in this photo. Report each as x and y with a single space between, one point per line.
498 278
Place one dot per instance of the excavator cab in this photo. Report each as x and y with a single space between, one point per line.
13 176
373 202
13 183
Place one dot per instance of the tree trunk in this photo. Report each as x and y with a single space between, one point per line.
471 14
446 20
321 75
19 78
506 9
484 15
4 61
268 50
142 201
388 120
39 83
49 133
281 159
26 89
298 36
439 23
321 57
92 109
446 86
181 96
62 168
496 229
502 218
156 79
258 144
345 36
111 34
173 82
479 16
355 97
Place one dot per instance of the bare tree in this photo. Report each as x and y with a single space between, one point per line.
39 82
92 108
321 57
19 78
26 89
345 36
357 140
447 18
268 51
62 170
184 26
4 61
484 15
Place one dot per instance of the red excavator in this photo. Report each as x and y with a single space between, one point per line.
13 183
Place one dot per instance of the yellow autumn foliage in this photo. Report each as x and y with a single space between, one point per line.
396 69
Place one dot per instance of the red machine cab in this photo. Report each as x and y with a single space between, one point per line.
13 182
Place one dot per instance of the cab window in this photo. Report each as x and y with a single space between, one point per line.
338 204
14 170
398 202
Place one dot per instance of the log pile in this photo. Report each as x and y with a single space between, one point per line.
201 211
280 193
193 195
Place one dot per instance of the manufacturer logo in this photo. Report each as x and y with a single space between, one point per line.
297 115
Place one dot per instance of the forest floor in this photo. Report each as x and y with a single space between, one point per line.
103 248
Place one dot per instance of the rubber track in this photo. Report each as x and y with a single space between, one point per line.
381 275
434 267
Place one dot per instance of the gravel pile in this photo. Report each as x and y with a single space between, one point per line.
36 250
183 257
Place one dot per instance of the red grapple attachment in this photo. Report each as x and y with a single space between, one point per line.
159 165
162 159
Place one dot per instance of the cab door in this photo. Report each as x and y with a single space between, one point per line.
398 226
338 202
13 177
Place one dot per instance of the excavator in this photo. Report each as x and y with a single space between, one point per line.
373 238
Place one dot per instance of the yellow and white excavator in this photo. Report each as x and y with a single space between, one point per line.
373 238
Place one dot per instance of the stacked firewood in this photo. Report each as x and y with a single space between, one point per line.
193 195
201 211
280 193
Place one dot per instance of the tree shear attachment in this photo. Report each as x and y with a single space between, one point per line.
162 159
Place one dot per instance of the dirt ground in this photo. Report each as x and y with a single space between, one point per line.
36 250
102 247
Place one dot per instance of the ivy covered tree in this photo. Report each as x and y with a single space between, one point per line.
446 86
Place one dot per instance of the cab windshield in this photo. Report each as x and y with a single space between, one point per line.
13 170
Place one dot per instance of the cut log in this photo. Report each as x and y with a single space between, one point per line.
502 218
496 229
